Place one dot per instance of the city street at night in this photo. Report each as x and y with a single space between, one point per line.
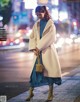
15 68
40 27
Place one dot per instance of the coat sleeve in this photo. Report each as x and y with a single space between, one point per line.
32 41
48 39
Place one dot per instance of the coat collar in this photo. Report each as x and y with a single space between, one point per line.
49 23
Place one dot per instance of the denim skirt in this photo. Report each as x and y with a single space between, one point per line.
38 79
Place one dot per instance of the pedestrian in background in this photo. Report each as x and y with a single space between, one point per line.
41 42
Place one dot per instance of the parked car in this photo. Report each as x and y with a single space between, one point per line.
3 34
7 39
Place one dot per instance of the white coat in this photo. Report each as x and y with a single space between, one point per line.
46 45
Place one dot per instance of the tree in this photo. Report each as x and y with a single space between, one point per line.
4 2
5 10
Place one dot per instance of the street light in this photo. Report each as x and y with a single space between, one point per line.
74 23
1 18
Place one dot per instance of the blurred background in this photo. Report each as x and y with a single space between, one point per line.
18 16
16 21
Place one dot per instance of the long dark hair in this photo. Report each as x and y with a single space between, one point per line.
47 15
43 9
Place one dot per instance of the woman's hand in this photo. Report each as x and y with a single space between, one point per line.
36 51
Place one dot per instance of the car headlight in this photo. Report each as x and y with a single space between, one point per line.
17 41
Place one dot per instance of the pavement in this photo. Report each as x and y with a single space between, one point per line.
15 48
68 91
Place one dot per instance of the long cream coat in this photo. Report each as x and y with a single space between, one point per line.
46 45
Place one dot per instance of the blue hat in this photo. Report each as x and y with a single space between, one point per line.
38 9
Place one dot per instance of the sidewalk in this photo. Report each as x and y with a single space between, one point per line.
68 91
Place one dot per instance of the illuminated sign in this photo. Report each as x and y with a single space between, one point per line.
30 4
43 1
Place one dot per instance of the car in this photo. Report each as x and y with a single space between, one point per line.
3 34
9 40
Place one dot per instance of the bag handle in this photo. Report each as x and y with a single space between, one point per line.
38 58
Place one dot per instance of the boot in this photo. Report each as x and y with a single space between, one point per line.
50 94
30 94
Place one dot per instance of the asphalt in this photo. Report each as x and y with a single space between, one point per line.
68 91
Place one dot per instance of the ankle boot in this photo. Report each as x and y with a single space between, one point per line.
50 94
30 94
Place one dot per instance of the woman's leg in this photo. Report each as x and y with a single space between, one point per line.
32 81
50 92
30 93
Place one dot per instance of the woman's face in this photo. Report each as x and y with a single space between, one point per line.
40 15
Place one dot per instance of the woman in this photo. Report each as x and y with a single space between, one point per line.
41 42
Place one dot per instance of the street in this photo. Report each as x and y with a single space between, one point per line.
15 69
22 20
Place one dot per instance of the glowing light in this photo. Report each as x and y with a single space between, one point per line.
63 16
43 1
17 41
77 40
55 14
75 23
1 18
59 43
30 4
22 44
28 34
72 36
33 13
11 44
68 40
55 2
57 35
4 43
18 34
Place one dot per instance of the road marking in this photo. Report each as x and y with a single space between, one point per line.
65 73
